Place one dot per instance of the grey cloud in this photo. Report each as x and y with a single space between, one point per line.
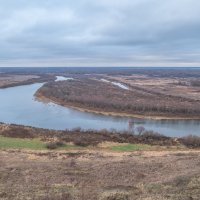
94 33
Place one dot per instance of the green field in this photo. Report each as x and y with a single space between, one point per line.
33 144
130 147
37 144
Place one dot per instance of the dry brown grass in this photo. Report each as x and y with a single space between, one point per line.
96 175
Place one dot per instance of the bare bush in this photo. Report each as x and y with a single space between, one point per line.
51 145
191 141
140 129
17 132
59 143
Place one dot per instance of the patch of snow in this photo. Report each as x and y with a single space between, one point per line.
116 83
62 78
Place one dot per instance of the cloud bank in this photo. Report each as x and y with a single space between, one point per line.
100 33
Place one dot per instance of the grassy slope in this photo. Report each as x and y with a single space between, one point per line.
131 147
33 144
37 144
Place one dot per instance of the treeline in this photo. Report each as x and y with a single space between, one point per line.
97 95
40 79
150 71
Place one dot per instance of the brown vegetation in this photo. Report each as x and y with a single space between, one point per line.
99 96
11 80
195 83
99 175
92 138
84 137
54 145
191 141
85 174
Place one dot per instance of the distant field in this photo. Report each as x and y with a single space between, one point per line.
169 86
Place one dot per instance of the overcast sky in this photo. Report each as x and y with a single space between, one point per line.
99 33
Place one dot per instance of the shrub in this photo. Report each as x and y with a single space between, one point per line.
81 142
191 141
153 135
77 129
140 130
52 145
59 143
153 138
17 132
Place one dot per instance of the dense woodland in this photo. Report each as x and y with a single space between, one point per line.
98 95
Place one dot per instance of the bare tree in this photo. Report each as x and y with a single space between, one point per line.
140 130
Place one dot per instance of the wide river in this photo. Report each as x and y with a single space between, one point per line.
18 106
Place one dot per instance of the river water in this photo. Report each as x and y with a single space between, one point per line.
19 106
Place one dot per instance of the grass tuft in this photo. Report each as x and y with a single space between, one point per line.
130 147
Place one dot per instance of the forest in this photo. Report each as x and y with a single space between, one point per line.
96 95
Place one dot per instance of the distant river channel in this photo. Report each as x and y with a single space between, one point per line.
19 106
